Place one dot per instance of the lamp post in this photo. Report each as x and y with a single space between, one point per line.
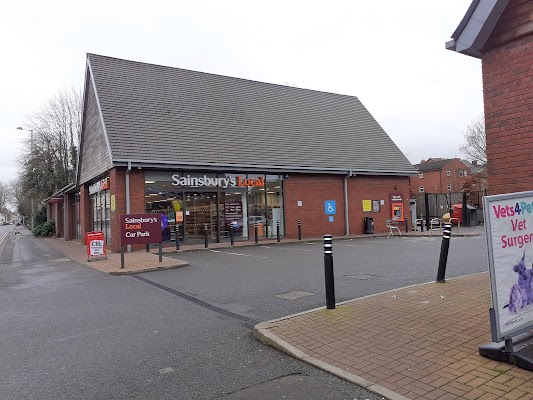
31 159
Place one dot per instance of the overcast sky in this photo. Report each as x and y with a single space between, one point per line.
389 53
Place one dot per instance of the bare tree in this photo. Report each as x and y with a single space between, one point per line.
48 161
475 147
4 195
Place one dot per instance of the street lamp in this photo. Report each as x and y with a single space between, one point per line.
31 159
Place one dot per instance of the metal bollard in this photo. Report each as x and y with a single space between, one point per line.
231 235
299 230
205 236
160 252
177 233
255 231
148 247
277 231
445 246
328 272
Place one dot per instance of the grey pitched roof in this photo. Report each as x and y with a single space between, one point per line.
476 26
432 165
157 114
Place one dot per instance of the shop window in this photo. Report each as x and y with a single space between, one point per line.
421 189
420 175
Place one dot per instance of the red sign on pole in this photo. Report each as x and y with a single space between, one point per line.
95 243
140 229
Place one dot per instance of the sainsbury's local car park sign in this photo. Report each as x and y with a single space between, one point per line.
509 227
223 182
140 229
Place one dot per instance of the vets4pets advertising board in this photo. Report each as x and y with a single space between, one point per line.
509 228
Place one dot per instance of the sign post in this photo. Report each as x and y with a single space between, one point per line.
140 229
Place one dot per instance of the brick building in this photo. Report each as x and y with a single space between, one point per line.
500 33
210 152
445 175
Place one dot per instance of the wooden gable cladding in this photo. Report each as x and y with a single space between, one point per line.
516 21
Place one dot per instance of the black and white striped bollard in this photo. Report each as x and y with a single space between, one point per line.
328 272
445 246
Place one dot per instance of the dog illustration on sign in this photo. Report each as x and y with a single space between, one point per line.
521 293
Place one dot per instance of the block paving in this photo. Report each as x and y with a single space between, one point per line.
419 342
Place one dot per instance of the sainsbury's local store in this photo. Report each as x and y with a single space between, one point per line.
214 152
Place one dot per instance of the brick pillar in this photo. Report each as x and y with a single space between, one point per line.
85 215
67 234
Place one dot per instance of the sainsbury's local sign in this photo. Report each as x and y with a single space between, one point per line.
223 182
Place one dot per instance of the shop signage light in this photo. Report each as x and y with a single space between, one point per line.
102 184
222 182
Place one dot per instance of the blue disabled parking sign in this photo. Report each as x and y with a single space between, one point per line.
330 207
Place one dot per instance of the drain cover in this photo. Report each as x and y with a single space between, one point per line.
362 277
294 295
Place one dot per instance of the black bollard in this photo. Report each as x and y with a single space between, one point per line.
328 272
121 257
205 236
177 233
231 235
445 246
277 231
299 230
148 247
160 251
255 231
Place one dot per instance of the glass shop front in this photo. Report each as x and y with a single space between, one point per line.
193 203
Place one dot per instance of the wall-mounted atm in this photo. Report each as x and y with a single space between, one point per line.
396 206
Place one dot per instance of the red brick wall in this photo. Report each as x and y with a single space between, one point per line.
117 187
508 95
314 190
375 188
85 215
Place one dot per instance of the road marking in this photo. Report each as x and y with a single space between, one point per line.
288 248
237 254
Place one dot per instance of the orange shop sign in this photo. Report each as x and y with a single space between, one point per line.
212 181
102 184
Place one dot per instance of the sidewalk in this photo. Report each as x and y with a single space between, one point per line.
419 342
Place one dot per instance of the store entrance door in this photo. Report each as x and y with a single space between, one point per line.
200 213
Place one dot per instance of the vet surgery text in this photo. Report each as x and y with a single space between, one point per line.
515 215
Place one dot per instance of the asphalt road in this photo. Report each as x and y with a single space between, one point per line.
254 282
71 332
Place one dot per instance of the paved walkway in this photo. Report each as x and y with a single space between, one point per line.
419 342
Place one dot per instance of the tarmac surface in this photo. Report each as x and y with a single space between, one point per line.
418 342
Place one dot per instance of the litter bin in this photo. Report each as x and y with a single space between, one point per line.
369 225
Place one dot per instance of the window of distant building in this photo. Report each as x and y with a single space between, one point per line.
460 172
465 173
449 188
420 175
448 172
421 189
